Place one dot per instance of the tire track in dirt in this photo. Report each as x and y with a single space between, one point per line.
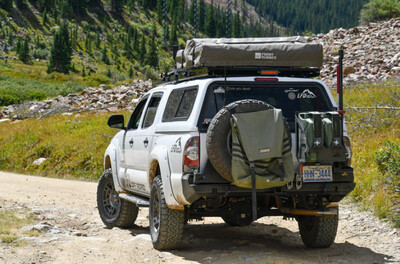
74 233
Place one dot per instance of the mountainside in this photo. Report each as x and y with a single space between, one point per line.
372 52
317 16
110 41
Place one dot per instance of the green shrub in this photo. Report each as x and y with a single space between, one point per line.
388 160
9 98
377 10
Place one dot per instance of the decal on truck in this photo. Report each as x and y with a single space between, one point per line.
177 146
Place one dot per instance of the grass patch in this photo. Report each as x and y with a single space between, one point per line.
73 146
11 221
17 87
369 129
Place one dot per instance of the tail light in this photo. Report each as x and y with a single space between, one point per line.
349 153
191 155
263 79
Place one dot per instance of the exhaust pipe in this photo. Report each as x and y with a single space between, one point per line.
332 209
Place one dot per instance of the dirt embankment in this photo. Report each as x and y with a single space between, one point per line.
72 232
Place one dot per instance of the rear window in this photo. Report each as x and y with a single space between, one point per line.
290 97
180 104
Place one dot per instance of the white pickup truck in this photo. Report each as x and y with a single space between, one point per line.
174 156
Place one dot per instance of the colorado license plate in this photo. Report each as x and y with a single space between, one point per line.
317 173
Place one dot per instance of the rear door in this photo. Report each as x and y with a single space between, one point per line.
144 136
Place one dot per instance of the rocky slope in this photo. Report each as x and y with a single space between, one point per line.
90 99
372 52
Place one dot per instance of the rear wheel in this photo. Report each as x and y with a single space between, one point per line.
318 231
114 211
166 225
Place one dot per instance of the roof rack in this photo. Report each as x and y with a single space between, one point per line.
233 71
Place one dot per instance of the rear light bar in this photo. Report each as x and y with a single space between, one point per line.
191 155
266 72
266 79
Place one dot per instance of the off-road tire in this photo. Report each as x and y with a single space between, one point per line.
318 232
237 220
166 225
114 211
218 133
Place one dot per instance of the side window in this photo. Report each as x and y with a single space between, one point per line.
152 109
134 121
180 104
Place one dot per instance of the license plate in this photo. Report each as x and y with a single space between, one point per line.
317 173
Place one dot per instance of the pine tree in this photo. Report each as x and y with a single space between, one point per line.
130 72
19 45
83 71
98 40
10 39
129 5
109 74
236 26
6 5
44 17
190 17
23 52
116 6
211 29
61 51
159 11
104 56
152 56
142 49
20 3
174 36
202 15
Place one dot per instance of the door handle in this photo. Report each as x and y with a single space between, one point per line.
146 142
131 142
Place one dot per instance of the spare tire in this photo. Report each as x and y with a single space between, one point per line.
219 134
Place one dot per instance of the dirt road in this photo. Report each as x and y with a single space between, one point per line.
72 232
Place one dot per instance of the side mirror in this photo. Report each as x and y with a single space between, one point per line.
116 121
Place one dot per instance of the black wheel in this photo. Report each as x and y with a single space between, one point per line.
219 132
238 219
318 231
114 211
166 225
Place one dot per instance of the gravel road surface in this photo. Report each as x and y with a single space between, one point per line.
71 232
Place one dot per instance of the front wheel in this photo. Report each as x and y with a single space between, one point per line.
114 211
318 231
166 225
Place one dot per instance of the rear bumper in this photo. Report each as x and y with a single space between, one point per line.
194 191
328 188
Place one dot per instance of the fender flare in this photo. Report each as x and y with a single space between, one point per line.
111 153
159 156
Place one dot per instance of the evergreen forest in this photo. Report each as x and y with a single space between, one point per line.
316 16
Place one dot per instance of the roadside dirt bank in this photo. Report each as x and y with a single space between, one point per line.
72 232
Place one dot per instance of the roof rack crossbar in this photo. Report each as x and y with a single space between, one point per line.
231 71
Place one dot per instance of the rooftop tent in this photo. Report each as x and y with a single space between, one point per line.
271 52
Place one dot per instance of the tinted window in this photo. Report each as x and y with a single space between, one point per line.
291 98
152 109
134 121
180 104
